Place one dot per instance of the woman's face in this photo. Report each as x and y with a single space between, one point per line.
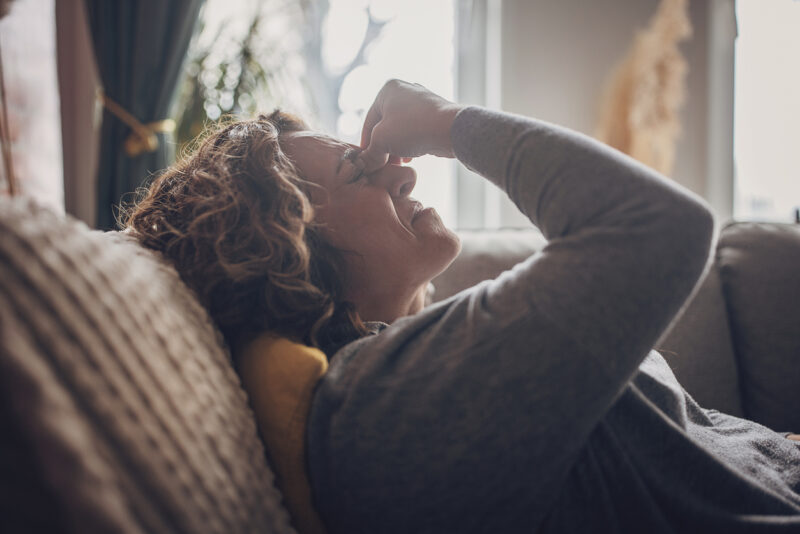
392 245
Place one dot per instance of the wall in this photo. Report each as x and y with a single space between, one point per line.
556 57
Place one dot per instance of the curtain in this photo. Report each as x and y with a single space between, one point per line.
140 46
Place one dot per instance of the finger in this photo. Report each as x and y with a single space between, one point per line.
373 118
376 154
407 160
373 159
395 160
794 437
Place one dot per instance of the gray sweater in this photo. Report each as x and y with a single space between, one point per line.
533 402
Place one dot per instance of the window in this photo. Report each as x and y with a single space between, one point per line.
326 62
27 36
397 52
767 110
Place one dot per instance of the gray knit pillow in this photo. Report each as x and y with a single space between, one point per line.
113 375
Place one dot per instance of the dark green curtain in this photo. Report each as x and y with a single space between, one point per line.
140 46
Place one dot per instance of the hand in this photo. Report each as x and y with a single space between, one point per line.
405 121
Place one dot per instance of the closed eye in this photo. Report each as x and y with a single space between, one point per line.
351 154
356 177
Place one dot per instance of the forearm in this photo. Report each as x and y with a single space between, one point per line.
563 180
640 240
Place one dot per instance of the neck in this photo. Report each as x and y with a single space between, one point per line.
388 308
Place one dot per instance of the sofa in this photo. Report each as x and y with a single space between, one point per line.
121 411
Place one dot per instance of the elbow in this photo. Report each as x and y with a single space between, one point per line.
701 222
690 237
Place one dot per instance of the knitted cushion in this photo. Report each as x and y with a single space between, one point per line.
760 271
115 378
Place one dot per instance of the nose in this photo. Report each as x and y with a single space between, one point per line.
398 180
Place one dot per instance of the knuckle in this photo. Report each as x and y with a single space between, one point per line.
393 83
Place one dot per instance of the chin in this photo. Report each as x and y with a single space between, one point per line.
448 245
455 245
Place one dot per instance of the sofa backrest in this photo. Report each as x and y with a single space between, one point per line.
759 267
697 346
117 392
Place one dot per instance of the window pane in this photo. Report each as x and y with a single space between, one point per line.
29 69
325 61
767 110
398 52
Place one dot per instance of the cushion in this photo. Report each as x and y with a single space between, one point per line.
699 349
760 271
280 376
23 493
118 383
484 255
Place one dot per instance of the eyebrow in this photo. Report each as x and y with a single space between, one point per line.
349 153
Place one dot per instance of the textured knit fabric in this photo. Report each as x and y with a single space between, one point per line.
533 402
121 389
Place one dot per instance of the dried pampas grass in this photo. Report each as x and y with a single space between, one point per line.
640 105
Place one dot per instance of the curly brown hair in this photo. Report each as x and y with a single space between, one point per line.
235 219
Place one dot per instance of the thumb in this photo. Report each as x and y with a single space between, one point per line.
376 155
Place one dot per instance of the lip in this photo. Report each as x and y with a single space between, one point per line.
416 209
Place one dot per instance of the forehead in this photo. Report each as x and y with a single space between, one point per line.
317 155
302 144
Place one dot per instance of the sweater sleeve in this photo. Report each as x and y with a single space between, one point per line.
468 416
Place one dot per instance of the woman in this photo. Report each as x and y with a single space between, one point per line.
532 401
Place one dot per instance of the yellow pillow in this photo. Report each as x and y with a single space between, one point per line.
280 376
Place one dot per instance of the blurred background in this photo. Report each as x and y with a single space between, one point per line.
100 96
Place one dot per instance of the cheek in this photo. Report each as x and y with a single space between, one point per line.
346 227
342 220
368 219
